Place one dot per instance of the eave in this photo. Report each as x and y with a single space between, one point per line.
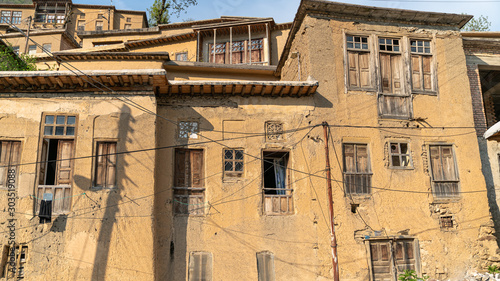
219 68
90 56
81 81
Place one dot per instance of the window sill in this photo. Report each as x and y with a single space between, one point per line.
396 168
446 200
361 91
428 93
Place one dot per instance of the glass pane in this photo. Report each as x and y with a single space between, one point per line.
48 130
395 42
59 131
228 166
364 39
349 38
395 161
357 45
382 47
414 43
389 48
60 120
228 154
70 131
364 46
239 155
71 120
238 166
357 39
420 43
389 41
404 148
405 160
396 48
350 45
394 148
381 41
427 43
49 119
413 49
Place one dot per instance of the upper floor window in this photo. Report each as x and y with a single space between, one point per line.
183 56
10 153
105 165
277 192
358 56
98 25
421 66
56 160
200 266
128 26
13 17
357 171
238 52
399 153
129 19
82 16
233 163
55 13
444 174
81 25
31 49
47 47
265 266
189 191
188 130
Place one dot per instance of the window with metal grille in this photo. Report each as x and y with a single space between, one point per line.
399 153
5 16
357 171
188 130
274 131
444 174
16 17
233 163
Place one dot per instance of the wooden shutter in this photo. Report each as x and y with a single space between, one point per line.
382 261
391 73
64 162
196 168
436 164
362 158
43 162
100 165
4 161
265 266
200 267
427 72
416 72
181 168
449 172
353 69
220 52
364 69
9 155
404 256
111 165
349 158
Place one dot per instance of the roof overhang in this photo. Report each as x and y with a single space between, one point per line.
367 13
493 133
241 26
240 88
81 81
219 68
118 32
160 40
76 56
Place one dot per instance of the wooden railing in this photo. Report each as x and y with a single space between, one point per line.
61 197
358 183
276 203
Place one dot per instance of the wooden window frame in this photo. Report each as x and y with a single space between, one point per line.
45 49
189 198
31 49
354 53
436 182
127 26
432 64
394 99
265 266
400 155
21 258
99 25
393 254
357 176
12 18
203 273
95 164
4 18
279 202
57 188
447 222
233 174
80 25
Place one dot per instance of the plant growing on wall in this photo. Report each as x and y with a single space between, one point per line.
411 275
493 269
9 61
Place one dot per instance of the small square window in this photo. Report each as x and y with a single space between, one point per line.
188 130
446 222
129 19
274 131
420 47
31 49
128 26
233 162
399 155
357 42
389 45
82 15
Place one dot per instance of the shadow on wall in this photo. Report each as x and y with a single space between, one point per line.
171 256
490 186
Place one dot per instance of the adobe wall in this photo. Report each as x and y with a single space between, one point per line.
401 202
93 240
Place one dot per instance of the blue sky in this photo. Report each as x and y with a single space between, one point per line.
284 10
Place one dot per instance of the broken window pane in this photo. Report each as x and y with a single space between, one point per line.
276 189
188 130
399 155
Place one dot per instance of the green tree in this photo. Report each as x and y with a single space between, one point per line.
9 61
480 23
161 10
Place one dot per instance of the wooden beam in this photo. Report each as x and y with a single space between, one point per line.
110 80
22 81
13 82
59 81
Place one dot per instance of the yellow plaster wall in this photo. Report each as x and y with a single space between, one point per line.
400 199
93 241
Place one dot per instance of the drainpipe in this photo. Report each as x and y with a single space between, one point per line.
330 205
